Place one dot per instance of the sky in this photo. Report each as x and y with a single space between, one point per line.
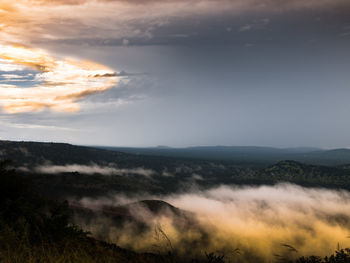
177 73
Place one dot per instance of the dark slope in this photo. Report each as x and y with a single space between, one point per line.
59 153
141 214
169 174
144 219
154 207
37 229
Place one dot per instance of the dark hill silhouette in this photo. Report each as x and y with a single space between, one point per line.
32 153
38 229
155 207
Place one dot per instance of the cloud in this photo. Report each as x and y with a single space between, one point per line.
22 126
245 28
24 151
197 177
93 169
26 21
7 67
257 220
8 78
59 83
257 24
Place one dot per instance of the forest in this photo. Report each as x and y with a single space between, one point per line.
45 216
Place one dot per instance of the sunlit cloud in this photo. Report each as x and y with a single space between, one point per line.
7 67
22 126
24 21
59 83
256 220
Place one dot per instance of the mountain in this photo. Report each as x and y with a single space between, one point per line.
141 215
65 170
247 154
38 229
88 171
33 153
153 207
326 157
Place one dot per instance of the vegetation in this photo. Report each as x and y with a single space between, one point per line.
37 229
340 256
170 173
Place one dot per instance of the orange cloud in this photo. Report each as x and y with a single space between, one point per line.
25 20
66 81
62 82
259 221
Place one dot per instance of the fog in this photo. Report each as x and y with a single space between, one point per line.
93 169
259 221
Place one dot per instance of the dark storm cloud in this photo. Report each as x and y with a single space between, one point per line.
239 72
173 22
303 26
256 3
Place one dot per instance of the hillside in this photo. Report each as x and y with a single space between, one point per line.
86 171
33 153
307 175
38 229
35 215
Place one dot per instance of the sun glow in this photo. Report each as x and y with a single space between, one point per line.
57 85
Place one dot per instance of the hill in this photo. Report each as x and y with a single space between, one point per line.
306 175
38 229
33 153
91 171
38 225
63 170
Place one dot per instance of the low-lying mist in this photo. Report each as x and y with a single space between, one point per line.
111 169
265 223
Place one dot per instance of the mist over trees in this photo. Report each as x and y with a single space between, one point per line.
38 225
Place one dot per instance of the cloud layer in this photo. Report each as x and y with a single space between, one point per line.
259 221
253 64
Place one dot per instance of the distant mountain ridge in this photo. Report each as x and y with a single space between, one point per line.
23 152
267 155
92 171
64 153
